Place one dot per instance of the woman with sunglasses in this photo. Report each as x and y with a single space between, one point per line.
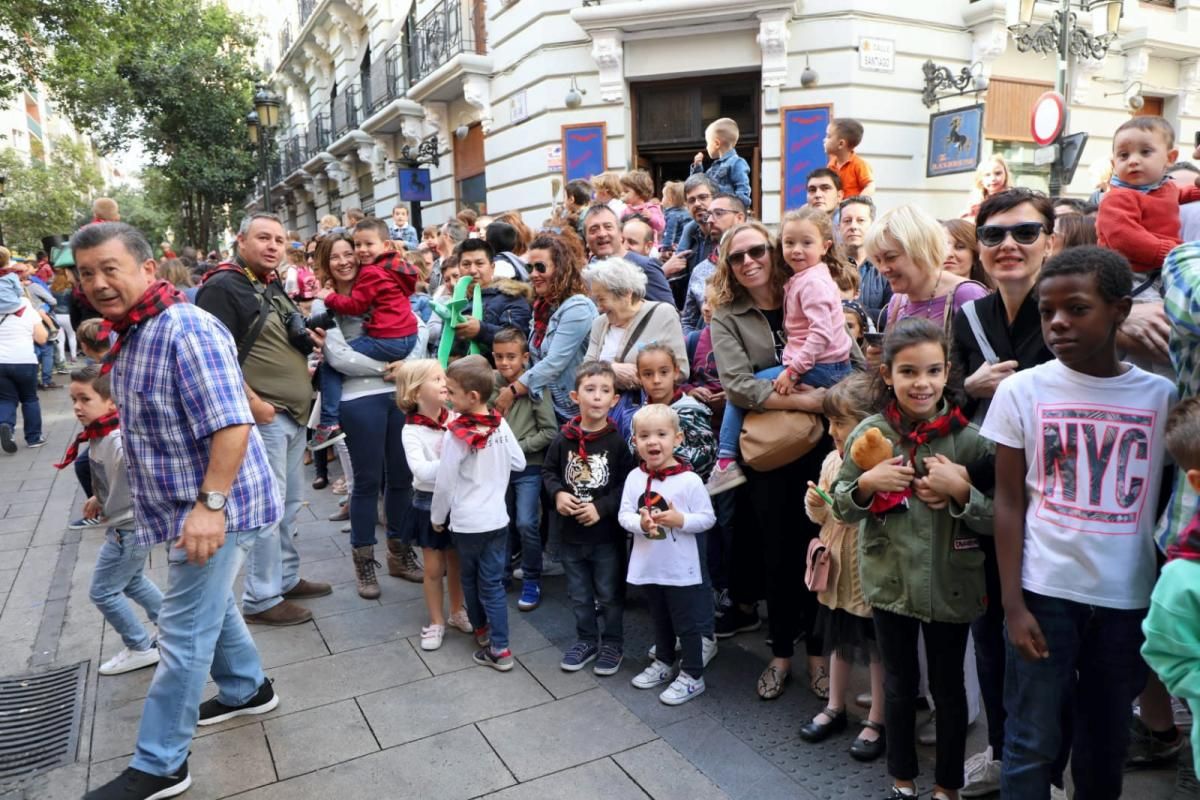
562 319
772 535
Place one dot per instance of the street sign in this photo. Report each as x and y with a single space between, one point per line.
876 55
415 185
1045 155
1072 152
1047 118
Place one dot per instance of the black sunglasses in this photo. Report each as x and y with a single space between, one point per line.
539 267
1022 233
756 252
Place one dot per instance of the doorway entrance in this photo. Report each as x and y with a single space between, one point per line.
669 118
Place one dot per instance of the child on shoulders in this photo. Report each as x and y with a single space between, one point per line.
638 196
842 138
728 171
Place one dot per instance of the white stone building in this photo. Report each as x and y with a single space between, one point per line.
484 85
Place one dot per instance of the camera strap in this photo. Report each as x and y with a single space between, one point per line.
247 342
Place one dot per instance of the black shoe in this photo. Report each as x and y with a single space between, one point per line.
735 621
214 711
863 750
133 784
816 732
7 442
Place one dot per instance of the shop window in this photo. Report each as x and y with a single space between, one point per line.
1007 108
1023 172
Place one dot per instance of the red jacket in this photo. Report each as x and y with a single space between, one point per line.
1143 226
381 291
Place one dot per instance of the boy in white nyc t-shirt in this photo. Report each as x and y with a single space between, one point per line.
1079 457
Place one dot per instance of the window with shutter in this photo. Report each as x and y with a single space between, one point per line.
1008 106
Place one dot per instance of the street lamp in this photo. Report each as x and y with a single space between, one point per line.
1063 37
260 127
3 203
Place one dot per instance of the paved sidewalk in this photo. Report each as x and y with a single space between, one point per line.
364 710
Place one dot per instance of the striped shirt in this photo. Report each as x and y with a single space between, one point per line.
176 382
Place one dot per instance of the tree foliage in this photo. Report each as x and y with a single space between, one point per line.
29 29
47 199
148 208
176 75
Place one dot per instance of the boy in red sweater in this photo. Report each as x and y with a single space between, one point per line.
380 295
1139 216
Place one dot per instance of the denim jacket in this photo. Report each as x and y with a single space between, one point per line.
731 174
560 353
676 217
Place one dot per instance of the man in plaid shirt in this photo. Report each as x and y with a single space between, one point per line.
200 483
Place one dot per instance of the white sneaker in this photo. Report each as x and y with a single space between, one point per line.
1057 793
982 775
128 660
460 621
656 674
722 480
682 689
708 645
431 637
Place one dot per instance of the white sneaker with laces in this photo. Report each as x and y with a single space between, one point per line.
982 775
724 479
431 637
682 689
128 660
656 674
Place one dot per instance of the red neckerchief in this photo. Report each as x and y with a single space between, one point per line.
542 309
573 431
662 474
231 266
466 427
922 433
96 429
438 424
1187 543
157 299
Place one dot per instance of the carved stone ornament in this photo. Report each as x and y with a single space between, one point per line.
1137 64
773 35
609 53
989 41
437 124
477 93
1189 87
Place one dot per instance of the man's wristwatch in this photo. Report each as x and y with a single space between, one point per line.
213 501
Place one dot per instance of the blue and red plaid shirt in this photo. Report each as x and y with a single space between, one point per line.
176 382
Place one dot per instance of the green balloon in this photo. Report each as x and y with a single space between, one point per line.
452 314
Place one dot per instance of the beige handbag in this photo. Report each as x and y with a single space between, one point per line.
771 439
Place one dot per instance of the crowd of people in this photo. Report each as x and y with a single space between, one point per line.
978 411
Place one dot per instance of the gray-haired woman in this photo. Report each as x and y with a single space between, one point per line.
627 320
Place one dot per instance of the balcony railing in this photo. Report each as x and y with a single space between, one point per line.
452 27
387 80
345 111
275 170
306 8
294 154
316 138
285 39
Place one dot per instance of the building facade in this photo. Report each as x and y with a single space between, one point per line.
481 87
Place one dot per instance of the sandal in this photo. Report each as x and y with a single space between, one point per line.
865 749
820 683
772 681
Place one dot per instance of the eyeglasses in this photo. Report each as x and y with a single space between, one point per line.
719 212
757 252
1022 233
539 267
698 198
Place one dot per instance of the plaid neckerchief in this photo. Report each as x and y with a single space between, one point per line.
542 309
573 431
1187 542
438 424
394 262
157 299
96 429
944 424
467 427
239 266
653 475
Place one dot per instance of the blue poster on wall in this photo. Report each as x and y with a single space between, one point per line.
954 141
415 185
803 150
584 150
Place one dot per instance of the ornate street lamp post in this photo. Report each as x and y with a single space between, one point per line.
260 126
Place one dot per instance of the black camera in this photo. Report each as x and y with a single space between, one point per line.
297 332
324 321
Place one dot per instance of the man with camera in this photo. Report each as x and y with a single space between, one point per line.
272 343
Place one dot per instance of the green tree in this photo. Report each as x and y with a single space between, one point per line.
46 199
29 29
176 75
147 207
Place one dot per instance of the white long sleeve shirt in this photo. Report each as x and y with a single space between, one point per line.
471 484
423 450
675 560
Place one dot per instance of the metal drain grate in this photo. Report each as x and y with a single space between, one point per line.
39 720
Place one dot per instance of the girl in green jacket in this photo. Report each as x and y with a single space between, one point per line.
919 558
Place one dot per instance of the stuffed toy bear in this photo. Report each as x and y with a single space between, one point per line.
868 450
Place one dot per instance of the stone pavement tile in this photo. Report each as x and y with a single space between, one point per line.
11 559
522 636
37 483
317 548
330 570
662 773
279 646
554 618
344 675
544 665
551 737
374 625
15 539
600 778
7 576
729 762
114 691
454 654
644 703
450 766
397 590
828 772
426 707
65 783
221 765
344 598
26 508
320 737
115 730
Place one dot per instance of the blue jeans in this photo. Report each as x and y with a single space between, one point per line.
200 633
595 578
481 557
45 356
18 384
373 426
273 566
119 573
1095 652
83 472
524 500
821 376
330 380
